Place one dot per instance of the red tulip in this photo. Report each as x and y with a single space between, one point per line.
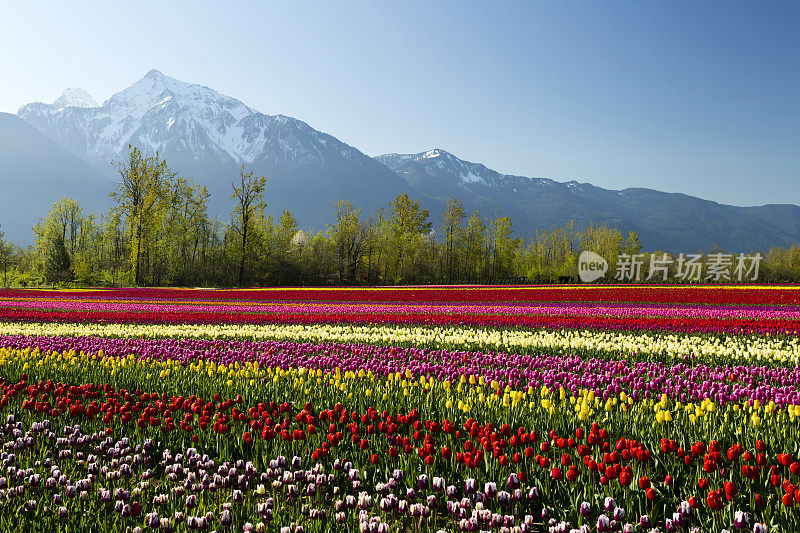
714 500
572 473
788 500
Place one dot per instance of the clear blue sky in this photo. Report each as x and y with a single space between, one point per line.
683 96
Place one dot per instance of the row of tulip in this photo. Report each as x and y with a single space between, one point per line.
414 409
545 408
668 294
578 309
710 325
72 451
606 378
666 347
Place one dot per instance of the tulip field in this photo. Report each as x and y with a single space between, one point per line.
506 409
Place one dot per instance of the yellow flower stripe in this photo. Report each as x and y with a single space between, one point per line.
402 392
736 349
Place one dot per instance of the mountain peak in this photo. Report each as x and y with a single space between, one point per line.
208 136
154 74
439 163
157 80
153 83
161 114
430 154
74 97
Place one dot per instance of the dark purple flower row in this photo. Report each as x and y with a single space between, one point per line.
683 381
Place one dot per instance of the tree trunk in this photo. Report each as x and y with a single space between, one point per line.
244 253
137 274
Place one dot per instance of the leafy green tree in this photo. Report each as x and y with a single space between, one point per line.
140 197
318 261
63 223
87 259
782 264
249 197
632 245
285 231
453 230
186 230
551 254
474 247
408 222
113 245
65 219
57 265
603 240
351 237
504 247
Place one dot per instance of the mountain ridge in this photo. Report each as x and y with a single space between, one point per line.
207 136
660 218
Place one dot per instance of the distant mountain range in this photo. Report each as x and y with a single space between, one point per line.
66 149
208 136
664 221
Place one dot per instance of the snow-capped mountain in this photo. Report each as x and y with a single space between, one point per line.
74 97
437 171
164 114
208 136
438 163
154 113
671 222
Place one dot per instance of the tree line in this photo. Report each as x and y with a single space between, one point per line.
158 233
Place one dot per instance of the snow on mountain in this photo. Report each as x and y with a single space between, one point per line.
207 136
160 113
536 203
440 166
74 97
439 163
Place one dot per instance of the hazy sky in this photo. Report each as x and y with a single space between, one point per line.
693 97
